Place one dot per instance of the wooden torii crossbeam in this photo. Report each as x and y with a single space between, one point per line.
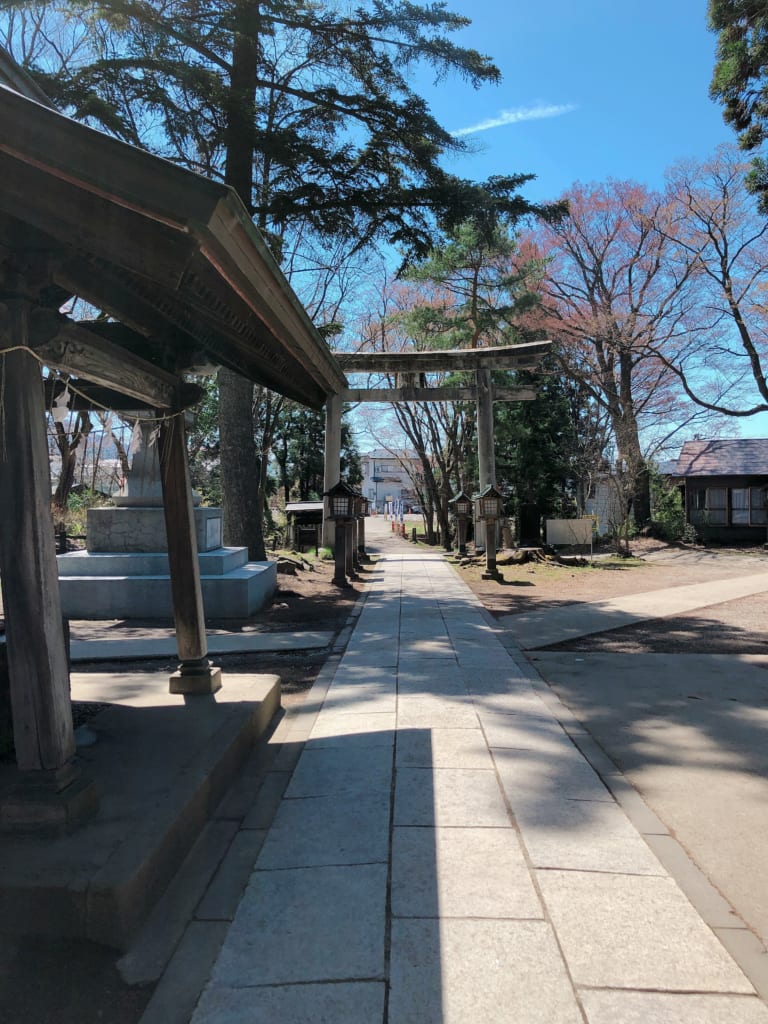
503 357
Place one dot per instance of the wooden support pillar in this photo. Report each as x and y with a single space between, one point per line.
332 470
195 673
356 543
461 534
486 452
50 793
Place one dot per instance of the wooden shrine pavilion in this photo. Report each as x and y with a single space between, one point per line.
185 279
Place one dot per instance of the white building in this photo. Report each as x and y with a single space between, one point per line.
390 475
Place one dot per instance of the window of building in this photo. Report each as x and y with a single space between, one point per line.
729 506
758 506
740 506
717 506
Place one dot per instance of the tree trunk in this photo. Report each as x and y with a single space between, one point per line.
68 447
240 466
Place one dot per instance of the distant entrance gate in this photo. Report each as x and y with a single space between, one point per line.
409 366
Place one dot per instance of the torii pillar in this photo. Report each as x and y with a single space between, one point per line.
486 449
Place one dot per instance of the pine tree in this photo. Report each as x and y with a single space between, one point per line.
305 109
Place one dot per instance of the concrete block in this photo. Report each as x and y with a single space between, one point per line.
535 775
633 805
341 771
223 895
631 931
680 1008
174 999
238 594
515 691
428 712
161 932
117 563
268 793
449 797
351 829
443 748
143 529
412 680
456 971
356 698
527 732
461 872
274 937
333 1003
332 728
582 835
709 903
749 953
425 646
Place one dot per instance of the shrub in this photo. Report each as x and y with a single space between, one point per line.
668 516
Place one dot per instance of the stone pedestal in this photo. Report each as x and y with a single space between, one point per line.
124 571
138 530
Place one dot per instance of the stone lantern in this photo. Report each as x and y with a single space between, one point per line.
489 509
341 509
461 506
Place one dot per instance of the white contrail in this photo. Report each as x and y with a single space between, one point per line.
515 116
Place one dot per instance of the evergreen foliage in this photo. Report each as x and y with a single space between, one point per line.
740 78
536 446
314 96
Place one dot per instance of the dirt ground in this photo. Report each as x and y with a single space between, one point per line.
731 627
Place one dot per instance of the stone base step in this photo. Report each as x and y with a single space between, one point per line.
162 769
237 594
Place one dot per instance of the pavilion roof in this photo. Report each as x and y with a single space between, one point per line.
171 256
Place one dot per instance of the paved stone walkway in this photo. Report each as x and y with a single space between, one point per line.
445 854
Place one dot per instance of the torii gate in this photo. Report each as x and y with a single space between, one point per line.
409 364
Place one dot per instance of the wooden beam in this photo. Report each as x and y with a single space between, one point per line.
191 327
37 658
65 345
86 397
447 394
508 357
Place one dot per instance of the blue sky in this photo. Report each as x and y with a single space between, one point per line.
591 90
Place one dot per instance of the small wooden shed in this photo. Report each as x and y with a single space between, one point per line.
725 484
305 524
